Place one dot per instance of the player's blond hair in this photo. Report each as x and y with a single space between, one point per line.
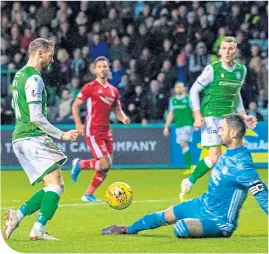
229 39
40 43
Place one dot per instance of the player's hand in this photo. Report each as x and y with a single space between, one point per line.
71 135
80 129
251 121
126 120
198 122
186 186
166 131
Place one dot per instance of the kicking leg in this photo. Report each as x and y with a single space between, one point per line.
13 218
49 204
202 168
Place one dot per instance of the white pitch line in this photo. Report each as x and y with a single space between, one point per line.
104 203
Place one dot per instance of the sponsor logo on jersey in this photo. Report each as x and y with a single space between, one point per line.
238 75
107 100
34 94
210 130
222 75
100 91
229 83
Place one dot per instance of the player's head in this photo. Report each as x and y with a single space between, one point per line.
228 49
42 51
101 67
232 128
179 88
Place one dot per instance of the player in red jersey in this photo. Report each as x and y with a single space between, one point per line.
101 99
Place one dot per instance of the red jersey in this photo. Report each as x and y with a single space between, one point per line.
101 100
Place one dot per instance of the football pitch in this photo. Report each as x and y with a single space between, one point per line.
79 224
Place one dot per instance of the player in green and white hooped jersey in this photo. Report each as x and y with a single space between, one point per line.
221 82
35 150
180 110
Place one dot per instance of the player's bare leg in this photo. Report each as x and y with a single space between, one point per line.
202 168
98 178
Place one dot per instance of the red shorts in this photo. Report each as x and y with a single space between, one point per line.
100 144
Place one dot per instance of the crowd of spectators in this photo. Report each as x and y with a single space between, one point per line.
151 45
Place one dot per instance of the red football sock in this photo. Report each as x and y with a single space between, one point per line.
97 180
89 164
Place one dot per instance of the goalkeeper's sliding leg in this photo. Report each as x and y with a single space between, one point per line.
187 217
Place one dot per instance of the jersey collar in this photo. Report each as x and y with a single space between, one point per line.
33 68
105 86
232 152
229 69
179 97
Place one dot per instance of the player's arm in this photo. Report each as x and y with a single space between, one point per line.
201 82
250 120
121 116
169 119
249 178
33 92
81 99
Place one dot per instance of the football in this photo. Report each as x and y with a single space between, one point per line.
119 195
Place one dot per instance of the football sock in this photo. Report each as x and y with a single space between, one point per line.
202 167
187 156
31 206
89 164
49 203
19 215
98 178
148 221
181 229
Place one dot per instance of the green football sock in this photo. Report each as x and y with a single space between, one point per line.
33 204
187 158
199 171
48 207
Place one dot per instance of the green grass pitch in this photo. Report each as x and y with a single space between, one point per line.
78 225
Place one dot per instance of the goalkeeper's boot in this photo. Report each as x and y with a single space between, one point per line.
42 234
115 230
89 198
11 223
75 169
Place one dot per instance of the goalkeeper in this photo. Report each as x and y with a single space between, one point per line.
216 212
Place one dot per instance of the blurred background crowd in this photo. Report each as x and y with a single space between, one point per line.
150 45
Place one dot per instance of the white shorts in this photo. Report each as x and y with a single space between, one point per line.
209 132
38 156
184 134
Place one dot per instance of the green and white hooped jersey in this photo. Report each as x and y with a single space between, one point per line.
180 105
28 87
221 87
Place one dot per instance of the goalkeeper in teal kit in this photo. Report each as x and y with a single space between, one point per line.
216 212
